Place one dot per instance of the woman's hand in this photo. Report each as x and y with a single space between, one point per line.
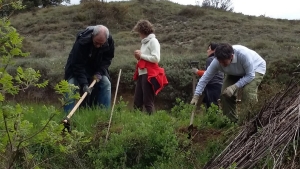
137 54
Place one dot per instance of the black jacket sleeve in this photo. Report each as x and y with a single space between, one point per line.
79 62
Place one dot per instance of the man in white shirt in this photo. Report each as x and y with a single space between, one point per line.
243 68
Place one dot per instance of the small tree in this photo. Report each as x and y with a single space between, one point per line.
218 4
17 133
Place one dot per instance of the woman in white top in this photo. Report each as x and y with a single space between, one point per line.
147 71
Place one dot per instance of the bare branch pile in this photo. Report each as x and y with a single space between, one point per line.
274 128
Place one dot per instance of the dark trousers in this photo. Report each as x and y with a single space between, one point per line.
212 93
144 95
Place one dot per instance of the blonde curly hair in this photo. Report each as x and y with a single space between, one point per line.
144 27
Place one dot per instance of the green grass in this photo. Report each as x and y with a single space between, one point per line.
85 120
136 139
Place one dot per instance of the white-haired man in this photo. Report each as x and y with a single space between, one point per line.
89 60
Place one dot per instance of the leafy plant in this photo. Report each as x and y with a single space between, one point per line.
67 92
214 118
181 109
143 141
20 137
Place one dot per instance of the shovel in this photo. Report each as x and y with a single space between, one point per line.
66 121
191 127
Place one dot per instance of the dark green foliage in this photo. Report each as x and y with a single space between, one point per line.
181 109
281 70
143 141
212 149
214 118
192 11
104 13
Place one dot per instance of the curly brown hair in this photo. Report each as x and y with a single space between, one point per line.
144 27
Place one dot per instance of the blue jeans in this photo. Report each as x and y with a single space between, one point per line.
101 94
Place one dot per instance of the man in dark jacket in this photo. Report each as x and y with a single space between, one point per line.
89 60
212 90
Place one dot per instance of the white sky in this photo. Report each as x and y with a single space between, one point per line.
285 9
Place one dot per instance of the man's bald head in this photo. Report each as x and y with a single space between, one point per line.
100 35
101 30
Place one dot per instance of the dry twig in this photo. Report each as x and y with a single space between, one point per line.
269 133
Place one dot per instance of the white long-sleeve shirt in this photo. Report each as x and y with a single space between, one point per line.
245 63
150 51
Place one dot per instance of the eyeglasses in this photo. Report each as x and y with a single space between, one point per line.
98 42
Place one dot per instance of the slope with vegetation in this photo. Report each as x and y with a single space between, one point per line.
183 31
30 135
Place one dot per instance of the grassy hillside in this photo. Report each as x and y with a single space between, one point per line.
137 140
183 31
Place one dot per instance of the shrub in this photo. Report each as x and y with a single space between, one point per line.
214 118
181 109
192 11
79 17
281 70
143 141
104 13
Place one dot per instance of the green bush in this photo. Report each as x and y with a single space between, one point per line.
214 118
105 13
212 149
181 109
192 11
79 17
143 141
281 70
136 140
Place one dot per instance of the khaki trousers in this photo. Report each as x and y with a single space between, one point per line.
249 95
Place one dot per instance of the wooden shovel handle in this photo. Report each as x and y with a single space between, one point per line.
194 83
200 100
79 102
112 109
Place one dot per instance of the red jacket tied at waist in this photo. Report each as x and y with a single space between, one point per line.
156 75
